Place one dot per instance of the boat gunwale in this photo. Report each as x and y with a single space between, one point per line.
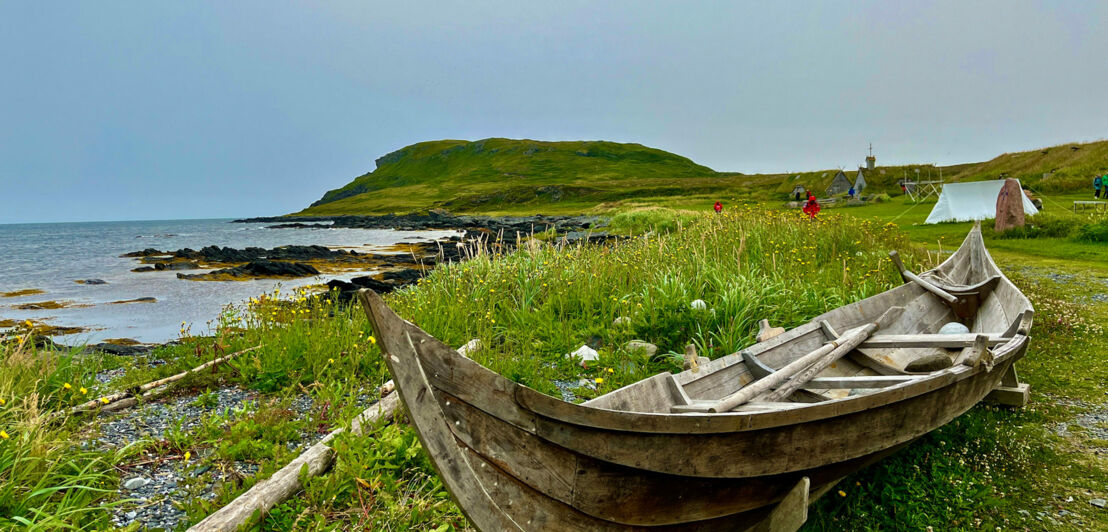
723 422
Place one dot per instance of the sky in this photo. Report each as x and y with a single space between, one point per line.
121 110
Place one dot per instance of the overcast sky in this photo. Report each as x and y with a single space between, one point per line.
153 110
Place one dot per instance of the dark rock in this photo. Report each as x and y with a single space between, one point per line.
258 268
405 276
932 362
122 350
148 252
143 269
92 281
161 266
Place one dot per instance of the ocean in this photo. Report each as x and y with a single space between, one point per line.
53 256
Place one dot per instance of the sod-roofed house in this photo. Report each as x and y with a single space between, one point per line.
839 185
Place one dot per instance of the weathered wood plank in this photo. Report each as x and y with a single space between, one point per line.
947 341
858 382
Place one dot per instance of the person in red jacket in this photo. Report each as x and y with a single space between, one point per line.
811 208
718 207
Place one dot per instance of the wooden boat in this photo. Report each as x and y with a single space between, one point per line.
672 452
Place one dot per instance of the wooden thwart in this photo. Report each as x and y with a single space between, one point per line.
831 352
948 341
840 351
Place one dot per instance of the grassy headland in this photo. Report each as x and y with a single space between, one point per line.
505 176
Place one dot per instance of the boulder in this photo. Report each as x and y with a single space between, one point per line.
406 276
259 268
638 345
1009 206
471 346
622 321
953 328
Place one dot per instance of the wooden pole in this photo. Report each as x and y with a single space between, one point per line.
840 346
135 392
286 482
909 276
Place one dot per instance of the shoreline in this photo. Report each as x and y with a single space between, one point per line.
340 271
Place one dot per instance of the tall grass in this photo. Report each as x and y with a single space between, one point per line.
47 478
530 308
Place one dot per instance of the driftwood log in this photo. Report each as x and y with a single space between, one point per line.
124 399
286 482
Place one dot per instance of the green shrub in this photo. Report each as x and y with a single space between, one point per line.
1094 231
1044 225
657 219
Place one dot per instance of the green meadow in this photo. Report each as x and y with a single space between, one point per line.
991 468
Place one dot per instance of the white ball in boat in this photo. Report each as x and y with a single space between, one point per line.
954 328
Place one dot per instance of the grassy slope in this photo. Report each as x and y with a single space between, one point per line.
503 176
462 175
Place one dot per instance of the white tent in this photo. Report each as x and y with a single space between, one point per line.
963 202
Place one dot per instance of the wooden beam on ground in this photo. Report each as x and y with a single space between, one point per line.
141 390
286 482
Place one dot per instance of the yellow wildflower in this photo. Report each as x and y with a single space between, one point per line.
599 380
610 370
372 340
4 435
187 456
29 324
3 402
67 386
330 361
104 400
842 493
84 390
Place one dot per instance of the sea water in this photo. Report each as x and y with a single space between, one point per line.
52 257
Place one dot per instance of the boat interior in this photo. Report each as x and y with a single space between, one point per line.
950 316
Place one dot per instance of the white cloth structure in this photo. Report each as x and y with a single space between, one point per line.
976 200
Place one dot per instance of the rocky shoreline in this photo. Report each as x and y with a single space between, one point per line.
438 219
398 267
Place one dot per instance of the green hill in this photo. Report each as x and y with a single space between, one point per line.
496 173
520 176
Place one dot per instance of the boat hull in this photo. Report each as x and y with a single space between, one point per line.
516 459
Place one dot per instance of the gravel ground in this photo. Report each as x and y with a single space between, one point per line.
156 485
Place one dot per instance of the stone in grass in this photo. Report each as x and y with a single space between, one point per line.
639 345
622 321
698 304
471 346
586 354
135 483
1099 503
